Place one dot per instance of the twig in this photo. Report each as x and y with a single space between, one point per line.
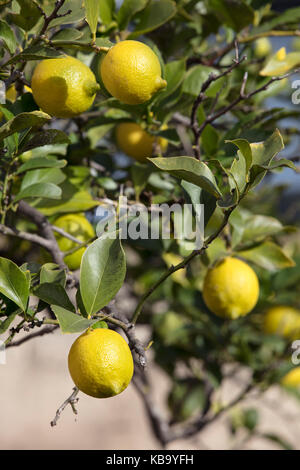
36 334
71 400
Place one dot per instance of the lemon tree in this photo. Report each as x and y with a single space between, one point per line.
107 106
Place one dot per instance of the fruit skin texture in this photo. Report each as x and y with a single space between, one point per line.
292 378
131 72
133 140
100 363
63 87
231 288
79 227
282 320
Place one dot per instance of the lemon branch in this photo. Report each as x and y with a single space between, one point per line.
183 264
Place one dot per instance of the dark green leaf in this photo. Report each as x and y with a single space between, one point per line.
107 8
43 175
127 10
156 13
69 322
54 294
7 36
46 137
102 272
28 16
191 170
23 121
51 272
233 13
14 283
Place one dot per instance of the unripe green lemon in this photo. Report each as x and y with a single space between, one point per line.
282 320
292 378
263 47
80 228
100 363
64 87
231 288
133 140
131 72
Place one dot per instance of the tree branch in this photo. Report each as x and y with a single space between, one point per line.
71 400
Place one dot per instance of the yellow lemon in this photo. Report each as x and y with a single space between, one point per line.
63 87
292 378
133 140
131 72
231 288
100 363
80 228
263 47
282 320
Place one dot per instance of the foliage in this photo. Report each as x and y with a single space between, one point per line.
224 145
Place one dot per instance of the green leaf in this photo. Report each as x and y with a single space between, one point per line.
199 196
46 137
23 121
5 324
35 53
51 272
174 74
195 78
69 322
99 324
128 9
14 283
281 63
54 294
7 36
156 13
102 272
43 175
67 34
191 170
92 14
28 16
139 174
210 140
41 162
245 151
269 256
257 227
107 8
257 172
43 190
72 200
278 440
74 7
233 13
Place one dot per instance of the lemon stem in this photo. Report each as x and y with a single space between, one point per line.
91 87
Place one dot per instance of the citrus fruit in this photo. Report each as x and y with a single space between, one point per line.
131 72
231 288
80 228
292 378
262 48
63 87
100 363
133 140
282 320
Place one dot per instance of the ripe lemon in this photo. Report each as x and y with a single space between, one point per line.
231 288
100 363
283 320
79 227
133 140
131 72
292 378
63 87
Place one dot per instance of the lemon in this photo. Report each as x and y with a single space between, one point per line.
263 47
292 378
131 72
133 140
100 363
80 228
231 288
63 87
282 320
